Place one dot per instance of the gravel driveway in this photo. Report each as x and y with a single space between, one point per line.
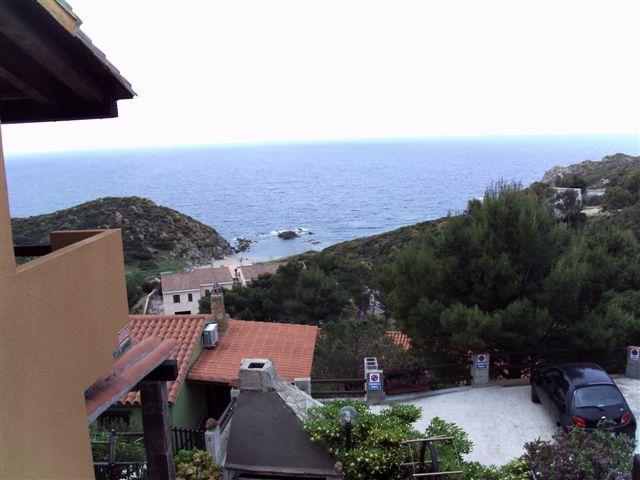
500 420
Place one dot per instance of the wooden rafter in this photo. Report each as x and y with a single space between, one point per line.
45 51
28 90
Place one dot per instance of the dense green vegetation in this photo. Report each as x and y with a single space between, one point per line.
342 345
377 249
316 291
152 235
378 452
508 275
154 238
196 465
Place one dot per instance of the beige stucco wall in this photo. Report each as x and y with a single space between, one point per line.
59 316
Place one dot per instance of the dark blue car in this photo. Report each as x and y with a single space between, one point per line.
581 394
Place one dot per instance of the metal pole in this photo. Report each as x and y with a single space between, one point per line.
349 440
434 457
112 455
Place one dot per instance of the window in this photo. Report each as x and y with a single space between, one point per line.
176 299
597 396
190 297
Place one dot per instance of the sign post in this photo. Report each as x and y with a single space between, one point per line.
373 381
633 362
375 392
480 369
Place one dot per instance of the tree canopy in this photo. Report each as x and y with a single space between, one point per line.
508 275
315 291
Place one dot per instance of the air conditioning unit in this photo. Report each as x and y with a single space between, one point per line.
210 335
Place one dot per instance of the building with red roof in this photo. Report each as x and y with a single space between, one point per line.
289 346
400 338
186 403
206 375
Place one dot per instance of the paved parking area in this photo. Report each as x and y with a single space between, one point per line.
631 390
500 420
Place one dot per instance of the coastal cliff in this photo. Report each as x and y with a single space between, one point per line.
596 174
152 235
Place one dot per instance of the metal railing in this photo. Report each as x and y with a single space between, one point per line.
113 469
425 378
223 421
519 364
187 439
347 388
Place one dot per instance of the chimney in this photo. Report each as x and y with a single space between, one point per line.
217 304
257 375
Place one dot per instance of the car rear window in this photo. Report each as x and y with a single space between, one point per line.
597 395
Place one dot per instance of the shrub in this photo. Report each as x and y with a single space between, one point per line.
196 465
581 455
377 438
450 453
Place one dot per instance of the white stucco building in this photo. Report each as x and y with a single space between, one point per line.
181 291
245 274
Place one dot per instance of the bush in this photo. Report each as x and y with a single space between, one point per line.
377 438
582 455
450 453
196 465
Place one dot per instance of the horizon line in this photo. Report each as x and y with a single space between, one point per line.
344 140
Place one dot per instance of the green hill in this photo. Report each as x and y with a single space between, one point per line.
153 236
377 249
610 170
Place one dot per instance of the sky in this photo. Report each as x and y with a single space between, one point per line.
215 72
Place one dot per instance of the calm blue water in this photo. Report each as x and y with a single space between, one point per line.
338 191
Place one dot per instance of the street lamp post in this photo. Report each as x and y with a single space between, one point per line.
348 421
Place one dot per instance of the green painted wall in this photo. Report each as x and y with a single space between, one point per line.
191 402
189 406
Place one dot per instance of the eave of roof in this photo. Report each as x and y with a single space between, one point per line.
52 68
125 373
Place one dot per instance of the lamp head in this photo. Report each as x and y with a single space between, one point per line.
348 417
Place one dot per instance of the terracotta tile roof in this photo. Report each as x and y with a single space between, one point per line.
249 272
135 364
187 329
199 276
289 346
400 338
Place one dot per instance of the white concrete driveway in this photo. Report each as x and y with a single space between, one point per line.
500 420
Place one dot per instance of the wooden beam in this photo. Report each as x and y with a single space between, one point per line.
48 54
31 92
157 430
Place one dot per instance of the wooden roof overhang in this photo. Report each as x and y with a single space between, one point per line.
50 70
143 361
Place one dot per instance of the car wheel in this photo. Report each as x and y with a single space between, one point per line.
534 395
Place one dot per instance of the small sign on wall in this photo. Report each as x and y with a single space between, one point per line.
481 361
634 353
123 346
374 381
123 334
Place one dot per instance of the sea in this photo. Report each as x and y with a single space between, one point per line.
328 192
